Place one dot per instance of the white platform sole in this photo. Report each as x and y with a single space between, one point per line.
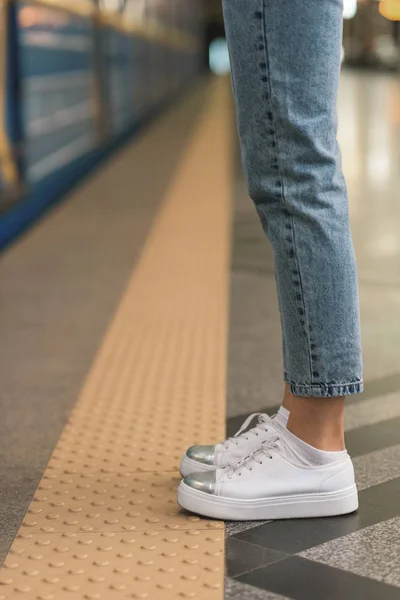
189 466
285 507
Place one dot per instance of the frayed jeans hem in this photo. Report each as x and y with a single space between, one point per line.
329 390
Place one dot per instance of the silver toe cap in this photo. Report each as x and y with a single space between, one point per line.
203 482
203 454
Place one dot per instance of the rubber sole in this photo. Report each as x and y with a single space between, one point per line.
189 466
285 507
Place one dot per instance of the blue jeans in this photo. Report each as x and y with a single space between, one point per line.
285 60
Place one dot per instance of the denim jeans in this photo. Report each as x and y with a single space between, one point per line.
285 61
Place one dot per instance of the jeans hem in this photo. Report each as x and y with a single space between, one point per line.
326 390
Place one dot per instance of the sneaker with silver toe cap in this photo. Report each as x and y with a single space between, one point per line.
272 484
229 452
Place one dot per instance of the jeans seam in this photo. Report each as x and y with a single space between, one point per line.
283 195
310 361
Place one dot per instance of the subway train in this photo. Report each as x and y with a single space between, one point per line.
78 78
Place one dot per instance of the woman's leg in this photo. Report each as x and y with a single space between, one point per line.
285 57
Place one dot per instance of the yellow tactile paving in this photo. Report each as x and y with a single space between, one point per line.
104 522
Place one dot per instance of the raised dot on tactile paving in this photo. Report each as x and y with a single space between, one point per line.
51 580
56 564
78 571
29 523
99 579
23 589
85 542
33 573
165 586
35 511
124 571
189 561
118 587
42 542
71 588
125 555
100 563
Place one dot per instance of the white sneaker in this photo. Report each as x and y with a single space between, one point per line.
272 484
232 450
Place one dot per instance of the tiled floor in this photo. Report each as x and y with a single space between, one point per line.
354 557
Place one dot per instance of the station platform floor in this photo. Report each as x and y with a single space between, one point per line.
140 317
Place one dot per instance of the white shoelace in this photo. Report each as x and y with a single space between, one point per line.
263 423
265 449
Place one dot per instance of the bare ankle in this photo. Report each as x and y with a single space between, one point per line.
287 397
318 421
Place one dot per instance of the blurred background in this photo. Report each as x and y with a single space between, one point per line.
78 77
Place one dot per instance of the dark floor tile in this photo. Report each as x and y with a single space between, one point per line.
377 504
303 579
242 557
373 437
235 527
296 535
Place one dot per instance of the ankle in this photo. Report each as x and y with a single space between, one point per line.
319 422
287 397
